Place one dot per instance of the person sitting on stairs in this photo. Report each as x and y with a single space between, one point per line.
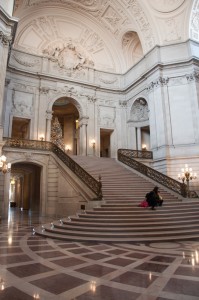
154 198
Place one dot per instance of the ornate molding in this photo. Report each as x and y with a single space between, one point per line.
25 61
5 39
160 82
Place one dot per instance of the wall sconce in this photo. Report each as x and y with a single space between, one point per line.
76 124
144 148
41 138
93 143
12 181
4 166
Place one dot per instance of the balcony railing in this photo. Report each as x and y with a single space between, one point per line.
86 178
127 157
137 153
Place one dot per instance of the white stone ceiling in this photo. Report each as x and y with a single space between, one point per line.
114 34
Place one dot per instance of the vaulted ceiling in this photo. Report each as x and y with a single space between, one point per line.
114 34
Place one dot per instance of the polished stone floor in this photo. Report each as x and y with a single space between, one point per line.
32 267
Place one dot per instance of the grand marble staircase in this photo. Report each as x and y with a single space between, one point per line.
119 218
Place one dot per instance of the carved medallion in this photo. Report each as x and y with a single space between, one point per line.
69 55
165 6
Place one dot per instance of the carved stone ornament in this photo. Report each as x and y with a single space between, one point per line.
5 39
161 81
108 80
92 99
172 30
44 90
49 114
65 91
112 18
25 60
123 103
193 77
106 116
22 103
68 55
139 111
165 6
28 156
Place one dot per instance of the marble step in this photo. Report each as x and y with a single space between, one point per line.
141 238
130 223
123 235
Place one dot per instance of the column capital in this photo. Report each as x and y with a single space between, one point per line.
5 39
83 121
49 114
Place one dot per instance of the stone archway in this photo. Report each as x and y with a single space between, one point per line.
65 125
24 177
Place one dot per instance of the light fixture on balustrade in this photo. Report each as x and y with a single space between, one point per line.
4 166
186 176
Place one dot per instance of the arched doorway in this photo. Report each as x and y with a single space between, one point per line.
105 142
25 186
65 125
139 129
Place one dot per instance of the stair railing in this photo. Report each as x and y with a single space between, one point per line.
90 181
127 157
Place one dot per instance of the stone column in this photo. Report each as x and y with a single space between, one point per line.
139 140
83 136
4 48
48 124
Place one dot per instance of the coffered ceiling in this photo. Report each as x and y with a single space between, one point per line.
114 34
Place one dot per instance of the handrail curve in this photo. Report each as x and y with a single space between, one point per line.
127 157
90 181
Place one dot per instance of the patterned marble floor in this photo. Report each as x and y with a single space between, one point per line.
32 267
